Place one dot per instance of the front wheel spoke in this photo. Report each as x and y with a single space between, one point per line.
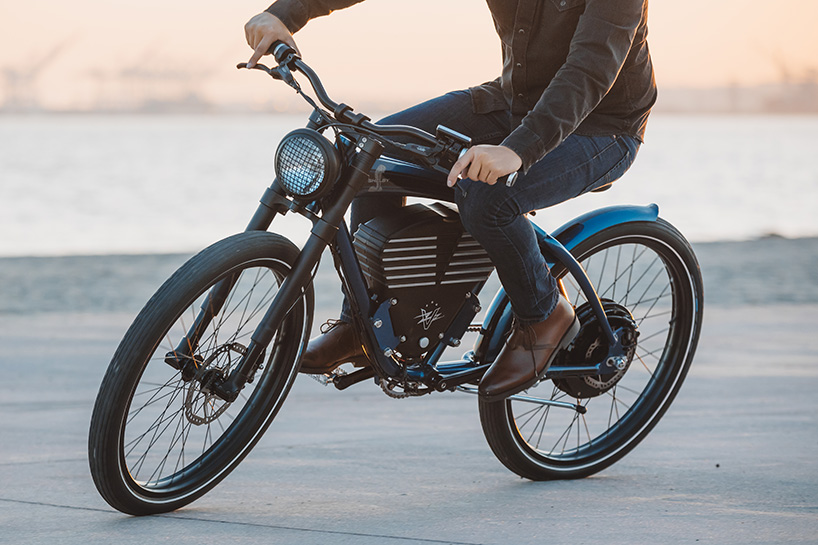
181 458
137 466
244 319
247 304
158 388
208 438
158 469
156 423
262 305
223 316
150 402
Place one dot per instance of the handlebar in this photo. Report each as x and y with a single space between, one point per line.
449 144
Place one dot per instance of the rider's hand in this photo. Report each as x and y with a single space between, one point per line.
261 31
485 163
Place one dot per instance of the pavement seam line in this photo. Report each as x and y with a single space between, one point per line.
332 532
252 524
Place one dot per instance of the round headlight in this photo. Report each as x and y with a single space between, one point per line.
307 164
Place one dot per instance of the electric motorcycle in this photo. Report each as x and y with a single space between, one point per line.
207 364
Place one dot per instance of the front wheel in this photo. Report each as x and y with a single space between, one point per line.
159 437
648 279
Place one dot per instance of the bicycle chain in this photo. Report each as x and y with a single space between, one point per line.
388 390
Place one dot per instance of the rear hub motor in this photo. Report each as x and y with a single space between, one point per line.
590 347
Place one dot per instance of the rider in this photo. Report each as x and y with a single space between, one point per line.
568 112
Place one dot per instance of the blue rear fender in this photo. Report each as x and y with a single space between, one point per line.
570 235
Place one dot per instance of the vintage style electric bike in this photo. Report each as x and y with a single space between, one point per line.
208 362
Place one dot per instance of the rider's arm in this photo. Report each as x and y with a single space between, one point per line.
599 48
296 13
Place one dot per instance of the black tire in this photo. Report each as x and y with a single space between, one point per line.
649 269
156 442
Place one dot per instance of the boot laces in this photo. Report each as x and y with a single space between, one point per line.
329 325
522 334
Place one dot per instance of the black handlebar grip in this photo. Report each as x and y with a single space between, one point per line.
281 51
508 179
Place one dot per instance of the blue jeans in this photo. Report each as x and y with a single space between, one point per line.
495 214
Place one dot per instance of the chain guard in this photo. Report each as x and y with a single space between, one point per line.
590 346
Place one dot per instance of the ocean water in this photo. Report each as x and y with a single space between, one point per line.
760 273
93 185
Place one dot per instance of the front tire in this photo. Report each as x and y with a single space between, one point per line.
158 440
646 269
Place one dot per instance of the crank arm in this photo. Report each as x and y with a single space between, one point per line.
536 400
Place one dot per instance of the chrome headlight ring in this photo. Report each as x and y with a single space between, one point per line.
307 164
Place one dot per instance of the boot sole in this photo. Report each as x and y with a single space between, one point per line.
567 339
359 361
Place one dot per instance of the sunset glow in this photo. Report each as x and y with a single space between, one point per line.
401 55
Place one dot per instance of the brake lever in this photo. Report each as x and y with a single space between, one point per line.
281 72
257 66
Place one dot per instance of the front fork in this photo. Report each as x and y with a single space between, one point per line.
321 235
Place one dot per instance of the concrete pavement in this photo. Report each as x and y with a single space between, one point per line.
733 461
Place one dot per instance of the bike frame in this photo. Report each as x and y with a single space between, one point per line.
366 165
330 230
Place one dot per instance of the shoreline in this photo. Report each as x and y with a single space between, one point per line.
125 254
763 272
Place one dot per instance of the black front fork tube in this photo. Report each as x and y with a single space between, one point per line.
322 234
270 205
274 201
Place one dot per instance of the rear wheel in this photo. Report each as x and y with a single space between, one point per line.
159 437
649 281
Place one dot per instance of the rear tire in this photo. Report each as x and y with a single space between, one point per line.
158 442
649 269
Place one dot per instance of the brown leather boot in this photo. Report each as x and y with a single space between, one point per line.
337 344
528 353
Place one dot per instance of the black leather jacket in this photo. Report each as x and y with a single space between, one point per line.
568 66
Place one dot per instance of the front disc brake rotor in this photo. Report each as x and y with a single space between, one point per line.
201 405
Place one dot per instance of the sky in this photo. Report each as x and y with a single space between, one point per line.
379 52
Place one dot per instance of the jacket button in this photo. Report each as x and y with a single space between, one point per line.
521 31
562 3
519 65
520 95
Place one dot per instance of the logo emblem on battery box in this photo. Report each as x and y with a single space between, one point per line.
428 315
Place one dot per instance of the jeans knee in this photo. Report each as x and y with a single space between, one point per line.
481 206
